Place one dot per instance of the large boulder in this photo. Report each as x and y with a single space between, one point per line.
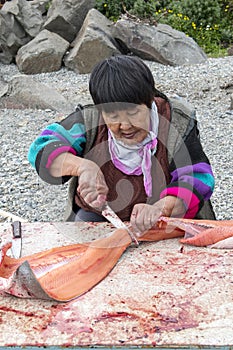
93 43
12 37
28 16
159 43
65 17
42 54
25 92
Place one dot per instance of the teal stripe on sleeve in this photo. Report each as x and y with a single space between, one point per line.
207 179
35 148
75 137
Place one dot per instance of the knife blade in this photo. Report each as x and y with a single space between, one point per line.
114 219
16 247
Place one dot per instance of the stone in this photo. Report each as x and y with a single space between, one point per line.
93 43
26 92
230 51
231 105
3 87
65 17
159 43
12 37
41 5
42 54
28 16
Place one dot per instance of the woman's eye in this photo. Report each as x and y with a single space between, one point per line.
112 117
134 112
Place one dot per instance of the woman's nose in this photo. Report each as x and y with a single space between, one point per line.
125 124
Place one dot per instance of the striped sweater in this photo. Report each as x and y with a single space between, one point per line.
191 176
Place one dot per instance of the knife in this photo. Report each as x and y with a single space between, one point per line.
112 217
16 247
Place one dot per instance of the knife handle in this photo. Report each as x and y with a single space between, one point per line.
16 227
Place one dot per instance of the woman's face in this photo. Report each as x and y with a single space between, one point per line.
130 125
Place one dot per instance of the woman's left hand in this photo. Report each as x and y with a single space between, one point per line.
145 216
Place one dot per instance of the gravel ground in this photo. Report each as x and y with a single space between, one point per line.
207 86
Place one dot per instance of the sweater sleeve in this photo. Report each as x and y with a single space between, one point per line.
67 136
192 178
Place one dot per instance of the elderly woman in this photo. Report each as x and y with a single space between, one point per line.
134 148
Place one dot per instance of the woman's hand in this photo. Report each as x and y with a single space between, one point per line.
92 186
145 216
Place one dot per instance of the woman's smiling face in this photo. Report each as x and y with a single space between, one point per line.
130 125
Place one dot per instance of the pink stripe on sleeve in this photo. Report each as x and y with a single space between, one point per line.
190 199
56 153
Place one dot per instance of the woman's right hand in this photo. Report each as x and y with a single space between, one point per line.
92 186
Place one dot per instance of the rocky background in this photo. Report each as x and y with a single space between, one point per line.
42 35
45 60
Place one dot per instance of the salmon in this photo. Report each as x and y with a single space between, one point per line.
63 273
203 232
66 272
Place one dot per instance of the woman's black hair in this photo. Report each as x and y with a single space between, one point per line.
122 79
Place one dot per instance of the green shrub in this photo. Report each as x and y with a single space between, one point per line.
47 6
206 21
112 9
144 9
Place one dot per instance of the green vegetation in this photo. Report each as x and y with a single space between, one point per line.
47 6
209 22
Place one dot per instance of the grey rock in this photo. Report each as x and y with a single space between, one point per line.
93 43
3 87
12 37
92 37
28 16
65 17
159 43
42 54
25 92
41 5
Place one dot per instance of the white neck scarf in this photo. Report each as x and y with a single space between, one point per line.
136 159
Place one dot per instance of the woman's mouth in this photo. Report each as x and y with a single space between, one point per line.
130 135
